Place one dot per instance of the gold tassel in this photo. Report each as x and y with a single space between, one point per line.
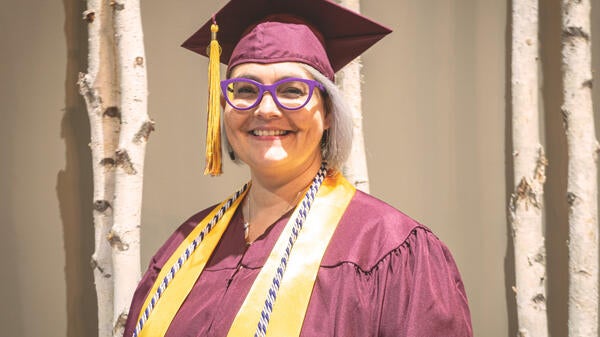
213 128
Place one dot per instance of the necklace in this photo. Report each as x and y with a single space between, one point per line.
248 221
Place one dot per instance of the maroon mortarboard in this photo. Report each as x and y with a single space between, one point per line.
319 33
268 31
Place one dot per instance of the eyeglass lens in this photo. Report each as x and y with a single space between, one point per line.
289 94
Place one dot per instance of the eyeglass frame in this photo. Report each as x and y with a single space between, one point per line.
262 88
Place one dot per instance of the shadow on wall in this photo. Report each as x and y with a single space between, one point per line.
11 319
509 257
74 184
555 188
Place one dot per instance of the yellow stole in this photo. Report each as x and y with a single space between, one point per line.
293 297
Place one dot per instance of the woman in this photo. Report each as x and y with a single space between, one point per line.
298 251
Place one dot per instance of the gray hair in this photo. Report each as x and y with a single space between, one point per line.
337 140
336 143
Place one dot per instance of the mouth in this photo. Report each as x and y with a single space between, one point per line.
269 133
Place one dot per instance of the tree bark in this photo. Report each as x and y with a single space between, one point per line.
129 158
582 186
98 89
349 80
526 206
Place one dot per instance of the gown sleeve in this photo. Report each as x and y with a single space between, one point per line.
386 275
422 294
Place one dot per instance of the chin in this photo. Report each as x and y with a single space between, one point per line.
271 162
276 154
265 161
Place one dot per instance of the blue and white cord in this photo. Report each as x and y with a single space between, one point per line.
272 294
177 266
265 314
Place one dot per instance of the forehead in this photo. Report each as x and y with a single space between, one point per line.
270 70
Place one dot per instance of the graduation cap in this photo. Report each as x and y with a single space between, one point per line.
319 33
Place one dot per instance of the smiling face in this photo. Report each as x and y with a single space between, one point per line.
269 138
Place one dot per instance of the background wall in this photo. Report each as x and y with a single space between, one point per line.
437 121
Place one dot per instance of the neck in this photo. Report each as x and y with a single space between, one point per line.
270 198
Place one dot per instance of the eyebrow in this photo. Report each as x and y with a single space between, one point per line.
248 76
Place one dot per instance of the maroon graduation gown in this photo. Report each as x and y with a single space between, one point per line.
383 274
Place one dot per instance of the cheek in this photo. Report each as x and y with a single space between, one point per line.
322 111
231 119
322 118
230 125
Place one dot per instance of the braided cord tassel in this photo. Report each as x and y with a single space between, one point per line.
188 252
307 201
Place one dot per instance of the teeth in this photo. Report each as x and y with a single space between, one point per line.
268 132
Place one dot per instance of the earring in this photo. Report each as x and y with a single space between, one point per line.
231 154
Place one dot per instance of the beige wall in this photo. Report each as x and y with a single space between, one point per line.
437 134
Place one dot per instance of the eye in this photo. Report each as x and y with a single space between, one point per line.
243 89
292 89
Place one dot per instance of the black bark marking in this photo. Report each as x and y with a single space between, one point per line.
588 84
116 242
87 90
584 272
539 258
526 194
139 61
108 162
101 205
94 265
89 16
540 166
571 198
575 32
123 161
120 323
539 298
565 118
112 112
144 133
357 182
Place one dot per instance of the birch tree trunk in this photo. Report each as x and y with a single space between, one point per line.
129 162
582 186
98 90
529 174
349 80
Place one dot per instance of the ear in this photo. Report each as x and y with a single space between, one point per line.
223 102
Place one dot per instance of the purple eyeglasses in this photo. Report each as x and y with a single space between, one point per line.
290 93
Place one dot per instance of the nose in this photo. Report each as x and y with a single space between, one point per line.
267 108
